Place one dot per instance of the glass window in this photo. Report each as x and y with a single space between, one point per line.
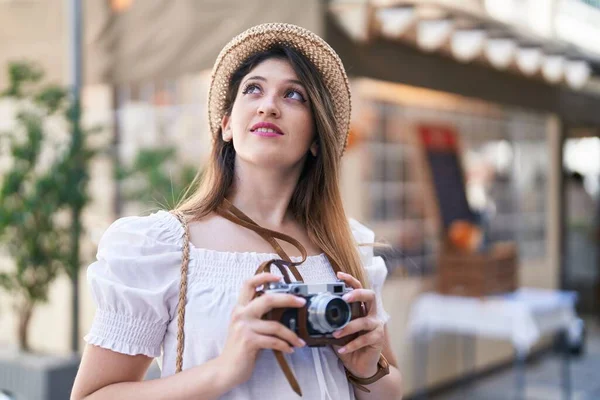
505 162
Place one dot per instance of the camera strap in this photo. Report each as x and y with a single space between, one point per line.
228 211
235 215
239 218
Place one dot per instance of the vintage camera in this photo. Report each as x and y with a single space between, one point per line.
324 312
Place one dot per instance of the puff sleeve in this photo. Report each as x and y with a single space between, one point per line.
132 282
374 266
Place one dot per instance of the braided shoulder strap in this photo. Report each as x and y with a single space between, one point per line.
183 289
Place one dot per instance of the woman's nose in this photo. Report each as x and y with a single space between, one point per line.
268 106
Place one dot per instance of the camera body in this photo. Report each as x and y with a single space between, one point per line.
324 312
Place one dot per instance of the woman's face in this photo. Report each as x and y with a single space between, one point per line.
271 122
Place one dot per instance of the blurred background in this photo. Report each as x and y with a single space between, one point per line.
474 152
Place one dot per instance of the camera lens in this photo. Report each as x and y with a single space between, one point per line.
327 313
337 313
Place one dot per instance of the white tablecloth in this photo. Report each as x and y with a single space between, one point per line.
522 317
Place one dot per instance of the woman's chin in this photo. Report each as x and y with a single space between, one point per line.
270 158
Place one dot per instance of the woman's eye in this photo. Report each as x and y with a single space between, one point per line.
296 95
251 88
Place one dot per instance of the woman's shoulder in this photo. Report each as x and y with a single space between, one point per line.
365 239
160 227
361 233
141 252
135 283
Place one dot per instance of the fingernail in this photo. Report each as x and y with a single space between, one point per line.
346 297
337 334
302 343
342 350
291 350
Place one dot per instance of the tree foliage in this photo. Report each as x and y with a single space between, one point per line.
44 181
154 180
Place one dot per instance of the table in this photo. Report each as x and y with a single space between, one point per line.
521 317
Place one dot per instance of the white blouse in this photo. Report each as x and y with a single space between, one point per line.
135 284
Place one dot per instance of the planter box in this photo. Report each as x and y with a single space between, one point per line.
478 274
25 376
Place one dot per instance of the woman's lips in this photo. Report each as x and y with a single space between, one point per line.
266 129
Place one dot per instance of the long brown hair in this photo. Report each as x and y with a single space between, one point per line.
316 202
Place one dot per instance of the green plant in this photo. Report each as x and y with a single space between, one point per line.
41 191
153 180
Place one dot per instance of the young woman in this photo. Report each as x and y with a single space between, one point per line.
279 111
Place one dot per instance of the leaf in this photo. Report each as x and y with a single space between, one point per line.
21 73
52 98
6 282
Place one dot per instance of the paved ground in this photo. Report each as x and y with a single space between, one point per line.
543 378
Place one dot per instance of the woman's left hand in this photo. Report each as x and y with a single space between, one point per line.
361 355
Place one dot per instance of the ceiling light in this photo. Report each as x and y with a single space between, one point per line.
466 44
529 59
553 66
577 73
395 21
431 34
500 51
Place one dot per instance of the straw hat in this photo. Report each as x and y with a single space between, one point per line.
265 36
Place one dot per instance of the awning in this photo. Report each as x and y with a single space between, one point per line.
401 61
521 40
150 40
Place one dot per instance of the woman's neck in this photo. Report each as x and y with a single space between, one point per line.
264 194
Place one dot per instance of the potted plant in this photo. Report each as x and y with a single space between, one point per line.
43 179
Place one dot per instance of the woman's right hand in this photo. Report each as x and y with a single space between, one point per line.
248 334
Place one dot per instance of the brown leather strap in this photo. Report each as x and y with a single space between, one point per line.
227 205
383 368
235 215
285 368
287 371
280 264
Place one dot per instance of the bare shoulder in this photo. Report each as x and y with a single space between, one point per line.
214 232
217 233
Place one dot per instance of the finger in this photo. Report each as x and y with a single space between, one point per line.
368 339
366 296
277 329
271 342
248 289
357 325
349 280
265 303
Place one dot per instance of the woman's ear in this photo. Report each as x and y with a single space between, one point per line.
226 129
314 148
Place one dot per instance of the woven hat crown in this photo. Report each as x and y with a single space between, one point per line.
264 37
